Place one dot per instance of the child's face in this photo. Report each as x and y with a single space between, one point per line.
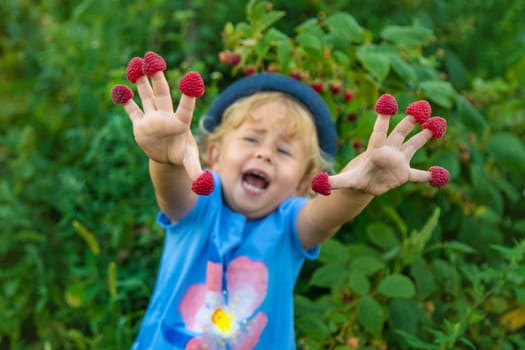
258 165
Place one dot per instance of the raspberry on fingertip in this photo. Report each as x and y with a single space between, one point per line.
439 176
120 94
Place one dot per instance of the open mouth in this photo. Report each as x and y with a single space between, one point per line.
255 181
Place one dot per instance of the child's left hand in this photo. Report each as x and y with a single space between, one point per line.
386 162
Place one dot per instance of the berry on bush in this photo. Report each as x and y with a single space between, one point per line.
191 84
437 125
335 87
229 57
386 105
420 110
320 184
438 176
134 69
317 86
249 70
153 63
120 94
349 95
204 184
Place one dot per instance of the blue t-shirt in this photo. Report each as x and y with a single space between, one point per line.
225 282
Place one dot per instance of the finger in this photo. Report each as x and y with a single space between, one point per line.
401 131
416 142
185 109
380 131
417 175
343 180
162 92
146 94
191 159
133 110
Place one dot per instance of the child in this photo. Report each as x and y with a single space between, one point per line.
231 259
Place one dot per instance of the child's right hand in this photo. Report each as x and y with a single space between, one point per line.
164 135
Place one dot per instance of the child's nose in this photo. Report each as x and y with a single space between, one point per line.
264 153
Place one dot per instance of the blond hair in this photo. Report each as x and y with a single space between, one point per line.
296 122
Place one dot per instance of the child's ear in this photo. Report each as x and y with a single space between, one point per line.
303 187
212 154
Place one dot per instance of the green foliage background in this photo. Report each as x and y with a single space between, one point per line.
419 269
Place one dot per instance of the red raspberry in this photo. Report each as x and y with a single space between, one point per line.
349 95
335 88
320 184
317 86
120 94
296 75
153 63
191 84
420 110
438 176
134 69
204 184
229 57
249 70
386 105
437 125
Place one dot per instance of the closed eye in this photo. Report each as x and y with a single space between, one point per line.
249 139
284 151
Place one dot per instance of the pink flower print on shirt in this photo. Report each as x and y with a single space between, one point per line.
227 319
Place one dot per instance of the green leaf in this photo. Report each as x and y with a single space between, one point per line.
244 29
112 279
402 68
345 25
396 286
284 54
342 58
367 265
440 92
413 247
414 342
334 251
508 151
449 159
313 326
310 42
268 19
382 235
458 247
403 314
305 306
486 214
88 237
255 10
370 315
359 283
275 35
357 250
329 275
424 278
407 36
376 63
469 115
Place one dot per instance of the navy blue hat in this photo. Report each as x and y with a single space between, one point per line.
326 132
